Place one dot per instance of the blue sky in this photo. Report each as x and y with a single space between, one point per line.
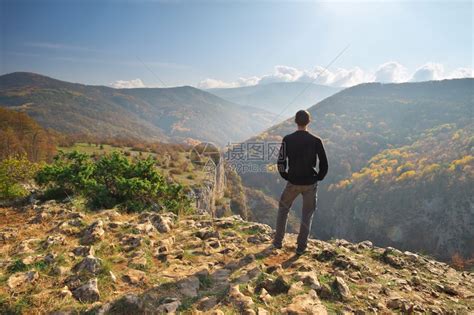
225 44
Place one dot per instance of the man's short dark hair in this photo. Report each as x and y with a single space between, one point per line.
302 117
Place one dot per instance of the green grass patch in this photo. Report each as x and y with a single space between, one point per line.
326 279
17 266
205 281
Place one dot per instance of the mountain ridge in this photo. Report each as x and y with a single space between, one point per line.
166 114
276 97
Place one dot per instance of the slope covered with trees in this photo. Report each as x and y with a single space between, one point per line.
21 135
362 124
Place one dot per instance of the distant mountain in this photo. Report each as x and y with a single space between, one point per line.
400 165
165 114
277 97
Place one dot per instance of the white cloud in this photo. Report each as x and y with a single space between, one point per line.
281 74
218 84
391 71
350 77
123 84
388 72
429 71
461 73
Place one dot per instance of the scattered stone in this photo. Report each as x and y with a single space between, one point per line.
206 303
65 292
114 225
49 258
265 296
447 289
39 217
169 305
127 304
71 227
395 303
310 279
296 288
342 288
131 242
189 286
7 234
146 227
243 302
259 239
274 287
59 271
344 262
93 233
53 240
213 243
28 260
18 280
365 245
221 275
89 264
257 228
134 277
205 234
305 304
326 292
326 255
24 247
87 293
138 262
112 277
391 256
411 257
84 251
163 223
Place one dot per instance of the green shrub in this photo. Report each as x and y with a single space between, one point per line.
15 171
113 180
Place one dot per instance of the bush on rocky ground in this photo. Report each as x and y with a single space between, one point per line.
112 180
14 172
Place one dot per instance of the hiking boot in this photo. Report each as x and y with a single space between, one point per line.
300 251
276 246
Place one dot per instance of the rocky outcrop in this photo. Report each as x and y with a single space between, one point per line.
198 264
212 188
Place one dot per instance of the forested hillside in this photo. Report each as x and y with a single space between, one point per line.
21 135
161 114
430 124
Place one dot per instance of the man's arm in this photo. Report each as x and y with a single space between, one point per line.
282 160
323 161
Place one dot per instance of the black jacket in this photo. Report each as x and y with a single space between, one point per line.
298 156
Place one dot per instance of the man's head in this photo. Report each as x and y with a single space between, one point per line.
302 118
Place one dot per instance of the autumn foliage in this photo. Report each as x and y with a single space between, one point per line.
21 135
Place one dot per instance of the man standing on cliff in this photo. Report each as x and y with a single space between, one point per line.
297 160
